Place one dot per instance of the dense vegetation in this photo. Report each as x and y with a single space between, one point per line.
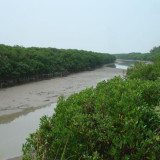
19 64
145 71
117 120
140 56
134 56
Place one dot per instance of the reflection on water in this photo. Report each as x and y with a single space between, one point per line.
9 118
13 134
124 64
121 66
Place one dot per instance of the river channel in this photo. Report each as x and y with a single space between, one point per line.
15 129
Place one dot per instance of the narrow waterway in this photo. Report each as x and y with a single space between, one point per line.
14 131
13 134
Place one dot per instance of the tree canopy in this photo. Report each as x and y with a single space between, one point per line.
19 63
141 56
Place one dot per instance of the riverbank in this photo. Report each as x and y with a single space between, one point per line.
23 98
21 65
104 118
16 158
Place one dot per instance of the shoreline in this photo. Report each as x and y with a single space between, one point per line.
34 95
16 158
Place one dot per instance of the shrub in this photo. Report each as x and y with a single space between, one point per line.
115 120
145 71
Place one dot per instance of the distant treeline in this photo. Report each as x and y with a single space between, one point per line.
19 64
140 56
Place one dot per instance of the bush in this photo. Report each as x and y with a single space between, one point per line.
115 120
145 71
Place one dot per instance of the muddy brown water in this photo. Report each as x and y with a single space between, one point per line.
15 127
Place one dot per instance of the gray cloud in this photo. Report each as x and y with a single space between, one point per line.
110 26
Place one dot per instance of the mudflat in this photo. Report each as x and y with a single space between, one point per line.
17 99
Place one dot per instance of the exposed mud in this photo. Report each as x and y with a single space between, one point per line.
20 99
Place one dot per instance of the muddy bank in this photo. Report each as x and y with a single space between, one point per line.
21 101
22 98
16 158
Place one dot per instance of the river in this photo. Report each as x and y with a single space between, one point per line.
15 128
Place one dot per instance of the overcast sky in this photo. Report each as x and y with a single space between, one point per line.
109 26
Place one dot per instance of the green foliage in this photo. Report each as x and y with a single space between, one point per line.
19 62
144 71
135 56
115 120
141 56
